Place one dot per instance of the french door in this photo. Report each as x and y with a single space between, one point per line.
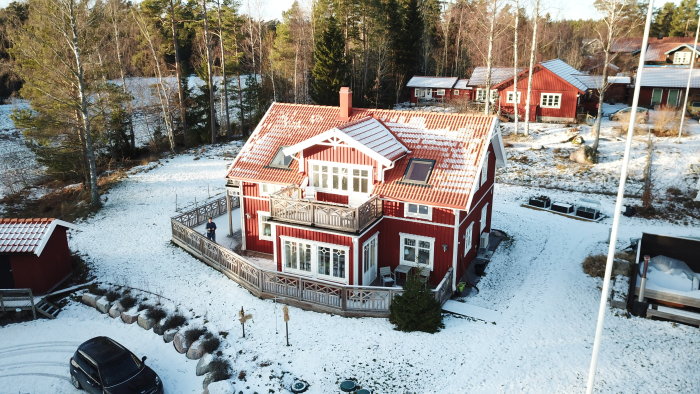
369 261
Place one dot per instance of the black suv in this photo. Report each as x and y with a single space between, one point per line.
101 365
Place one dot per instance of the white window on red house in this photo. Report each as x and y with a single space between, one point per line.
320 260
441 92
681 58
269 188
331 262
339 178
550 100
281 160
417 251
455 92
510 95
485 169
264 226
481 94
297 256
418 92
484 217
418 171
418 211
468 239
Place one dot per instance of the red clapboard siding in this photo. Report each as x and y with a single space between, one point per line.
440 215
43 272
252 231
251 189
318 236
330 197
544 81
481 191
339 154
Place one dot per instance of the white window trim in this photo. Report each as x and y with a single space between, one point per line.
418 92
661 97
682 57
408 214
485 169
260 227
314 259
440 92
403 236
509 97
481 94
484 216
558 100
350 167
468 238
455 92
272 188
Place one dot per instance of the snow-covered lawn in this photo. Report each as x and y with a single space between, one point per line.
541 342
35 354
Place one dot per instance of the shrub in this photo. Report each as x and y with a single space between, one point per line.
112 296
594 265
666 122
416 309
127 302
144 306
174 321
194 333
210 344
155 313
220 369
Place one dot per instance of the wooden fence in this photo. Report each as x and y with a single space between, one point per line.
17 299
306 293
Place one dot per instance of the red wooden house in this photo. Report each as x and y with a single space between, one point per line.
436 89
665 87
336 193
34 254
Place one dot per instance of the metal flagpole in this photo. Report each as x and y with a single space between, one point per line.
690 74
618 207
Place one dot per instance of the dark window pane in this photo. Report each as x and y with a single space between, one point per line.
280 160
418 170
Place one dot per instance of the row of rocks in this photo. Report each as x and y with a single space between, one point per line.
193 351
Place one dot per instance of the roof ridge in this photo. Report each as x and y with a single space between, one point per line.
26 220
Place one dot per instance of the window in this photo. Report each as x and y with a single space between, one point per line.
484 214
485 169
341 178
656 94
321 260
269 188
681 58
417 251
418 211
455 92
264 226
441 92
281 160
673 96
468 239
510 95
418 171
550 100
481 94
418 92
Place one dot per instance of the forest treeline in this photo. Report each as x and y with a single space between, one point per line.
72 59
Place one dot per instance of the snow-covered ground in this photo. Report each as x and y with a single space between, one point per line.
541 343
34 355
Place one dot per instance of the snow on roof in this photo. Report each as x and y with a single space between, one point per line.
670 77
27 235
457 142
498 75
683 46
432 82
462 84
368 135
595 81
565 72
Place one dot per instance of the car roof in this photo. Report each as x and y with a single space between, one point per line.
102 350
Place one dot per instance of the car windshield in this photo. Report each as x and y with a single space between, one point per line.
119 369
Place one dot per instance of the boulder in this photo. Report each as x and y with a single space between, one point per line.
209 383
144 322
195 352
169 335
203 364
116 310
180 342
158 328
130 316
583 155
103 305
89 299
220 387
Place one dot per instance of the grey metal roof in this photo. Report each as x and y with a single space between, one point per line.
432 82
498 75
595 81
462 84
565 72
669 77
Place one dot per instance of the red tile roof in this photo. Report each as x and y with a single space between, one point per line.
656 49
457 143
27 235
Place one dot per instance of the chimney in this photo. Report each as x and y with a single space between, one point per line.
345 103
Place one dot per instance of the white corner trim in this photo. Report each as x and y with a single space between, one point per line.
49 231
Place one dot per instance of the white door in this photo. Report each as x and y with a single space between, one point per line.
369 261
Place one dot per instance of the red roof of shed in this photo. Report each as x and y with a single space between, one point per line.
27 235
457 143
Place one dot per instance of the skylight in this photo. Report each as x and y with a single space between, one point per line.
281 160
418 171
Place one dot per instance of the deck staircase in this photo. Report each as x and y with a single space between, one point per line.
47 308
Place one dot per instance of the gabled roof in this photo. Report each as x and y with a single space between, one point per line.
669 77
634 44
27 235
432 82
657 49
462 84
498 75
457 142
683 46
566 72
368 135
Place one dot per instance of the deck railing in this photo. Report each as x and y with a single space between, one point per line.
288 205
297 290
17 299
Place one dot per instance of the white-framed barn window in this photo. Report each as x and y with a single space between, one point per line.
441 92
455 92
264 226
316 259
550 100
417 250
418 92
510 95
485 169
420 211
269 188
481 94
681 57
468 238
484 216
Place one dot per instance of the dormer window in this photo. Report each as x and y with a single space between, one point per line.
281 160
418 171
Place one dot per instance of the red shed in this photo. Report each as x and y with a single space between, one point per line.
34 254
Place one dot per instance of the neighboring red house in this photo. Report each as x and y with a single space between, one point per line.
665 87
660 51
335 193
431 89
34 254
479 79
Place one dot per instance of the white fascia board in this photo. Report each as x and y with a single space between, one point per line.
334 132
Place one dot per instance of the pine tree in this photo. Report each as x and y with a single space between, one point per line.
416 309
684 19
330 70
661 26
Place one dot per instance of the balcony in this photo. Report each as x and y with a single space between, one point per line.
288 205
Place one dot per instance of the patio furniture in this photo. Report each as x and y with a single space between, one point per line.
402 269
387 276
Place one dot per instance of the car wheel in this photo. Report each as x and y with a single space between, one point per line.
75 382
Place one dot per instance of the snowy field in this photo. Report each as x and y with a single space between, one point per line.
541 343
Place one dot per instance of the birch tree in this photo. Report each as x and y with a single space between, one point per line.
533 50
516 99
210 77
489 56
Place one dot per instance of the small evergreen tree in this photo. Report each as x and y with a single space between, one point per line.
416 309
330 69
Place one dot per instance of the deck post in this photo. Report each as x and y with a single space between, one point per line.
31 298
230 216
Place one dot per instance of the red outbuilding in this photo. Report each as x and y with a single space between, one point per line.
338 193
34 254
